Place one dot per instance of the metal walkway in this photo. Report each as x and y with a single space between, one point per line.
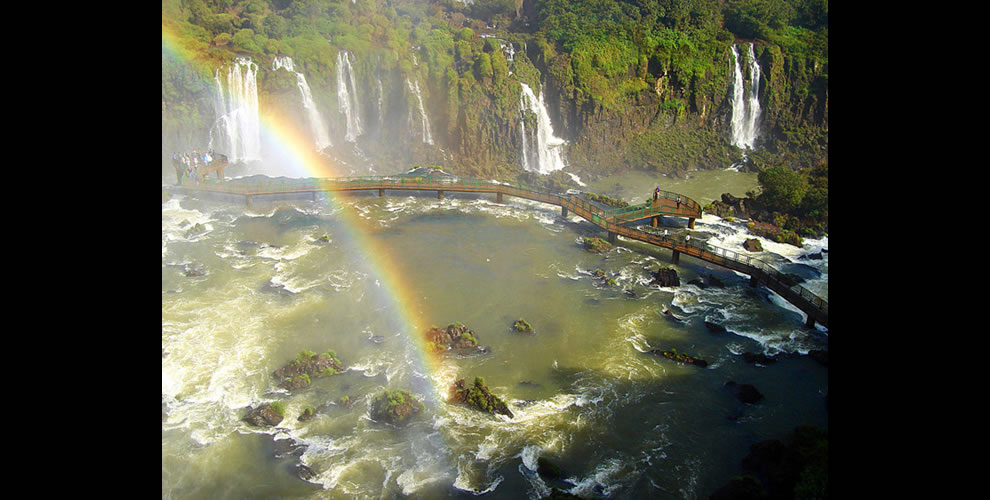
613 220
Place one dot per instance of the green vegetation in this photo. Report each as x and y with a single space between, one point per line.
278 407
596 245
797 201
468 337
479 397
631 83
395 406
522 326
608 200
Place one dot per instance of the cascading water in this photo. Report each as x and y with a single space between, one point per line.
237 113
548 148
414 88
745 106
347 102
320 134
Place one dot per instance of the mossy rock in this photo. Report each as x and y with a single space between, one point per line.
753 245
195 230
455 337
680 357
478 396
597 245
395 407
300 372
266 415
522 325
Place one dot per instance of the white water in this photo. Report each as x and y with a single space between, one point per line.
381 102
548 148
427 136
745 106
237 112
347 96
320 134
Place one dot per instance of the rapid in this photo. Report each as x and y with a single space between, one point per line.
246 289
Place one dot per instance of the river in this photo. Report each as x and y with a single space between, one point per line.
366 275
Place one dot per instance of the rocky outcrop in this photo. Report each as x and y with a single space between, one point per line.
708 281
746 393
680 357
752 245
455 338
395 407
604 278
597 245
714 327
266 415
478 396
299 373
665 277
522 325
785 467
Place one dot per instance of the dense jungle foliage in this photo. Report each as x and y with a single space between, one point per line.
629 83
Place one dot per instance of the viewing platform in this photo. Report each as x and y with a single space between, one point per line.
615 221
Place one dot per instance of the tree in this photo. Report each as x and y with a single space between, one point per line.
782 189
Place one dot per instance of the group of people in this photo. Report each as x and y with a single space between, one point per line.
188 164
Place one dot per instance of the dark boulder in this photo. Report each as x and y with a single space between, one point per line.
266 415
666 277
714 328
758 358
744 392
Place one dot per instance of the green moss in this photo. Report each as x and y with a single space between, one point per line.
522 326
278 407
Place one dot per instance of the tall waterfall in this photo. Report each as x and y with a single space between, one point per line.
347 102
319 129
745 106
414 88
237 112
548 148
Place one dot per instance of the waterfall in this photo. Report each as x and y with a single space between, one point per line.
347 102
381 101
237 112
548 148
414 87
745 107
315 121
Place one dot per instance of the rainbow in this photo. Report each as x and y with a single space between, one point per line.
397 295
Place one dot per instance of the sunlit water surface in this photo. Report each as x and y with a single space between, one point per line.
258 286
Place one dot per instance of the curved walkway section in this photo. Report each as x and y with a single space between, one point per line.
614 221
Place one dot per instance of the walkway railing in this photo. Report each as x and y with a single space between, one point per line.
613 220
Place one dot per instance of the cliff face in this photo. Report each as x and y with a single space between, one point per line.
669 112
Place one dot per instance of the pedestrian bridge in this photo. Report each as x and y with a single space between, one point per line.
615 221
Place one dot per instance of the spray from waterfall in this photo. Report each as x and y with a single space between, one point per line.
414 88
547 147
745 105
319 129
237 129
347 102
